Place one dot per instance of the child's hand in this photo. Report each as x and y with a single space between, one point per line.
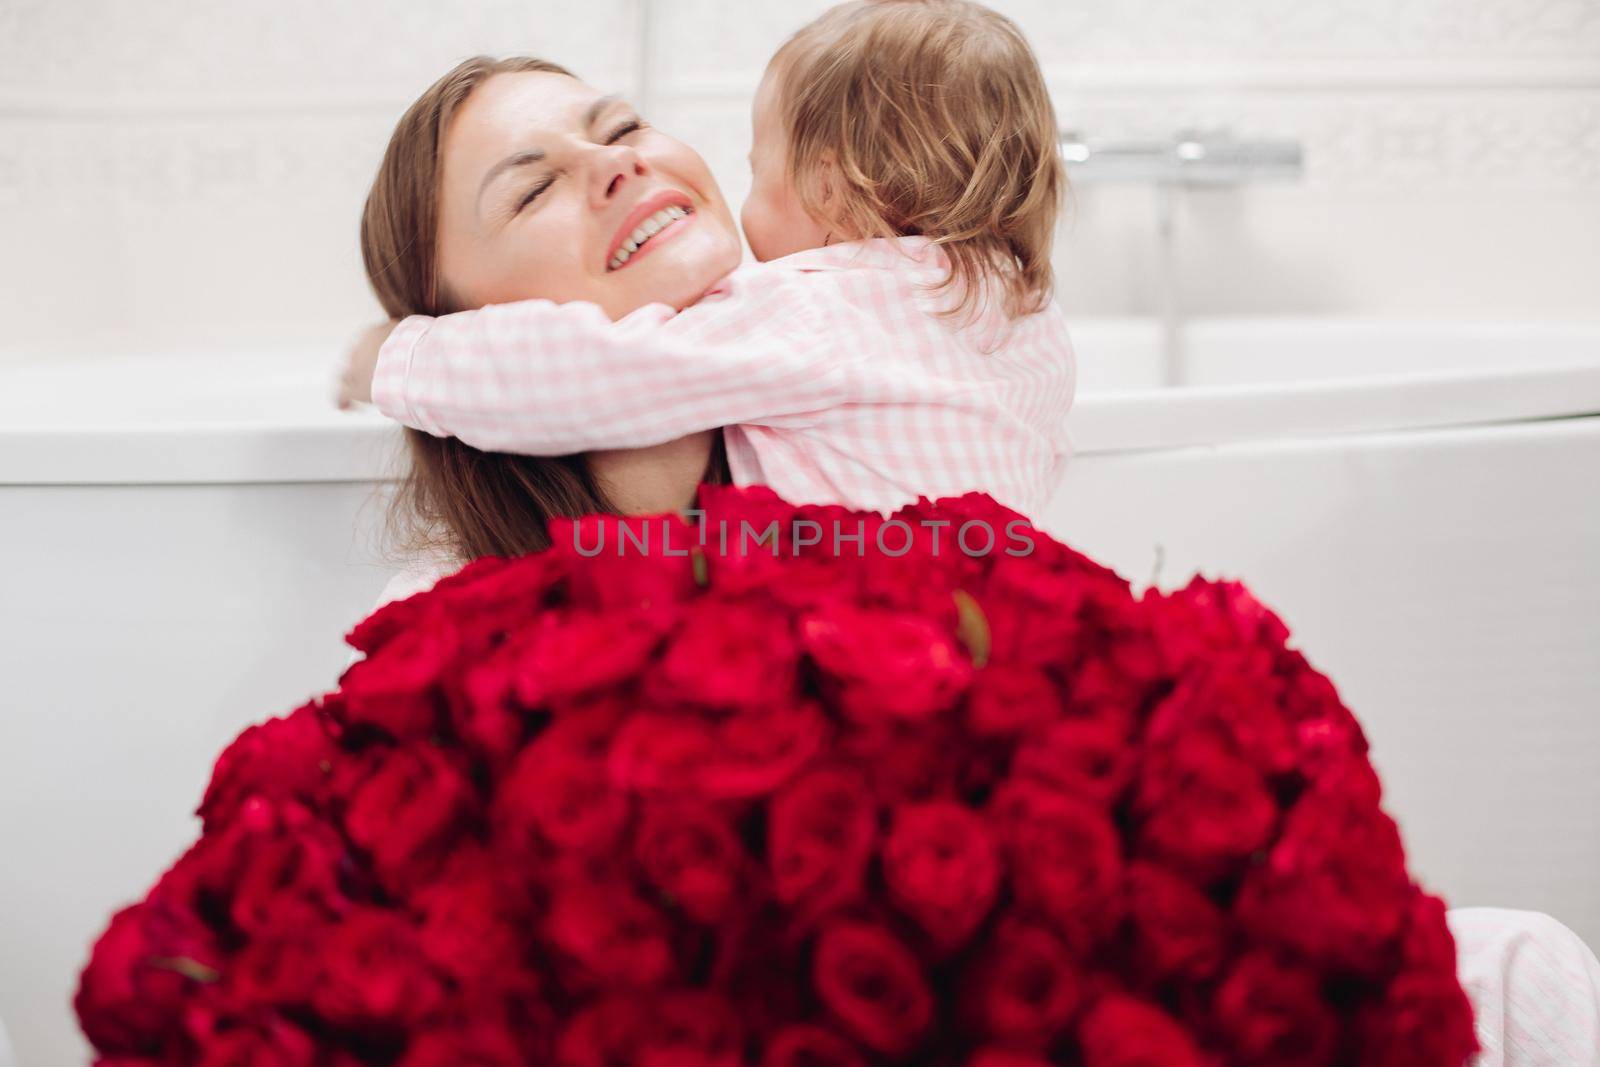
355 380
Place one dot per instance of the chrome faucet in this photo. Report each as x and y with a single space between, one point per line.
1189 157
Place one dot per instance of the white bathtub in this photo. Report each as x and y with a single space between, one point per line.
187 536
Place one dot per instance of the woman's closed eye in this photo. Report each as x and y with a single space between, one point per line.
630 126
533 194
617 134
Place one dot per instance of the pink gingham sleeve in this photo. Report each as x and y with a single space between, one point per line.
541 378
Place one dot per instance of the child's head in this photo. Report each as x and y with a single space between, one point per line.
887 118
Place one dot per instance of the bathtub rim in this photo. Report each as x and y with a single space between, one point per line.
362 446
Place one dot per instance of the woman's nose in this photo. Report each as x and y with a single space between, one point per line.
614 167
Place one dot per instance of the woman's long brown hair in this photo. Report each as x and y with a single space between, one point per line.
455 498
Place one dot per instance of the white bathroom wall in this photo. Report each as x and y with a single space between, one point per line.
1452 146
180 173
183 173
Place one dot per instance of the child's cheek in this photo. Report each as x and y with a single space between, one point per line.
755 220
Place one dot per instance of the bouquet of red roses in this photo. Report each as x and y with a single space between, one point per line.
794 786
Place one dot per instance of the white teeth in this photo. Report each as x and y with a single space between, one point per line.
646 230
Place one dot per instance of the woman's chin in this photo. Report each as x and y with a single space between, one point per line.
678 272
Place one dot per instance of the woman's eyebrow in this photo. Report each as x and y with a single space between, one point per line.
598 108
516 159
534 155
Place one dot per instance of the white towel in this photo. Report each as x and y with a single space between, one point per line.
1534 985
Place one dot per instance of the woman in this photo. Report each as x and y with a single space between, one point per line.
445 229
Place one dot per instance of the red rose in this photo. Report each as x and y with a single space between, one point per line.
1326 734
1024 988
288 758
757 505
482 1045
558 792
885 664
1121 1031
209 875
821 833
1202 808
1242 708
817 540
149 961
626 561
1206 616
1004 1057
1272 1013
262 1041
914 761
397 688
472 919
908 574
939 524
797 584
1009 698
692 857
874 986
1065 859
1032 612
289 882
749 548
494 1019
688 1028
484 708
1088 758
968 505
1334 888
279 971
808 1045
1426 943
1175 930
614 937
729 654
487 603
1422 1018
744 756
397 616
1099 691
942 869
404 807
569 652
373 973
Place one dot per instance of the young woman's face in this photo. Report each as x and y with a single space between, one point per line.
544 189
774 222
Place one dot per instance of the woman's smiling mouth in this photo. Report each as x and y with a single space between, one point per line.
664 216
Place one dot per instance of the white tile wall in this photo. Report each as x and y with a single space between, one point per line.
180 173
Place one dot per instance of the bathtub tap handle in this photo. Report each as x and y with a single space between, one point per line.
1211 156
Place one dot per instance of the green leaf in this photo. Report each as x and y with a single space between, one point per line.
972 627
189 968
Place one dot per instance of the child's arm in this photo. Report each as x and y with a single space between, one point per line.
541 378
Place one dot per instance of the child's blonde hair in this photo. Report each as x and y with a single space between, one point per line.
928 117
